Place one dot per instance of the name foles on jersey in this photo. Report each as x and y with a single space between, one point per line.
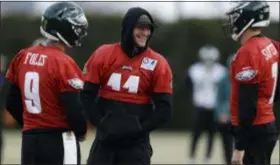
246 74
76 83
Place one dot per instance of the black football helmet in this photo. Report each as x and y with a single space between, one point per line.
65 22
249 14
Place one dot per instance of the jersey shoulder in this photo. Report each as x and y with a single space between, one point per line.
255 45
51 52
56 54
14 64
17 58
57 59
258 48
156 55
154 61
104 50
160 59
66 58
102 54
246 53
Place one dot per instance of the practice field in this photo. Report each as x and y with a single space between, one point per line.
169 148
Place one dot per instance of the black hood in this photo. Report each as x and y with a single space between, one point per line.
129 21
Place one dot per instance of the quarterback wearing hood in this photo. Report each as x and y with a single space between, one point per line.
132 42
132 86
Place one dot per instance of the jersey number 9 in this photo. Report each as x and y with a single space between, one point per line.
31 92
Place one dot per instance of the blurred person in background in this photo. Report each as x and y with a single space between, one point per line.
3 62
7 119
254 75
222 113
43 94
133 88
202 78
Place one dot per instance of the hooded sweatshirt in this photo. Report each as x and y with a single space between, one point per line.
130 20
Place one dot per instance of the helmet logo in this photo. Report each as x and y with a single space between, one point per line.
79 20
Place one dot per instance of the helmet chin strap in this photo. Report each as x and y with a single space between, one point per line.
47 35
51 37
63 39
235 36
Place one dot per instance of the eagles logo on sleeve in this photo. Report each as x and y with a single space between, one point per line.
76 83
246 75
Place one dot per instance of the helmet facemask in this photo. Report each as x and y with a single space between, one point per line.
76 30
237 25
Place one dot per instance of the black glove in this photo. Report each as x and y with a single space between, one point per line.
117 126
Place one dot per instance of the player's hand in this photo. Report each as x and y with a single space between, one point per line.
237 157
8 120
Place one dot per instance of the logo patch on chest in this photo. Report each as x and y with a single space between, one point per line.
148 64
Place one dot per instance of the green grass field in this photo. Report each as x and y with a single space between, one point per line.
169 148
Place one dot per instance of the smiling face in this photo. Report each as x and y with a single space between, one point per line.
141 34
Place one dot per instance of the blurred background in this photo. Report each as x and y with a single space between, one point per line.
184 28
